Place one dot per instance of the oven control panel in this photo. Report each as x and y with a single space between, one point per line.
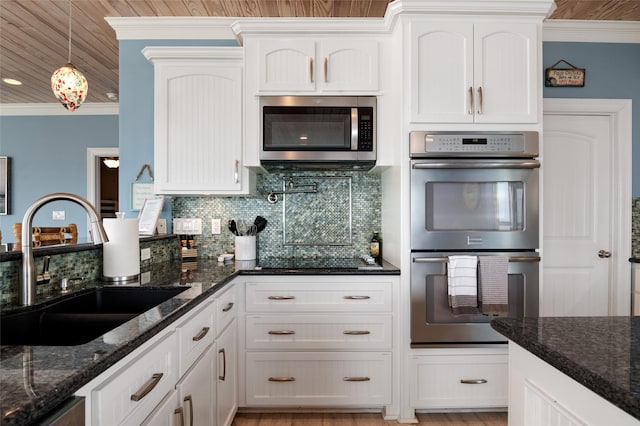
513 144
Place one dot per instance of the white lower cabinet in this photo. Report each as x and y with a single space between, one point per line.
319 341
227 378
133 390
187 374
459 378
541 395
319 378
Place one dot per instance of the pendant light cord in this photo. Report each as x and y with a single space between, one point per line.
69 61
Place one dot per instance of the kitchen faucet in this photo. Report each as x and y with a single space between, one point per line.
28 284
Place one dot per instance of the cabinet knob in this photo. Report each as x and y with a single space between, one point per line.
200 335
356 379
281 297
282 379
228 307
189 400
147 387
356 332
357 297
473 381
603 254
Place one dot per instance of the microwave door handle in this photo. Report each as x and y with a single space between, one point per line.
354 129
470 164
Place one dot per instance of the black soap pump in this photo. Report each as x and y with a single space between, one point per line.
375 248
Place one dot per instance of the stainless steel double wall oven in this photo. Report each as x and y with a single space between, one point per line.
475 194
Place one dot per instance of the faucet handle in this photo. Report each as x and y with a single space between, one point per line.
44 277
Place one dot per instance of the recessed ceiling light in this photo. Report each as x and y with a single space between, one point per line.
12 81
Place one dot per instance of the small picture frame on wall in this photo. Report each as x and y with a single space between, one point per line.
5 187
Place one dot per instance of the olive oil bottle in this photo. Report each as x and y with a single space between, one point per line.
375 248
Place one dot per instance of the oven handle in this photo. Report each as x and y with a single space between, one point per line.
446 259
470 164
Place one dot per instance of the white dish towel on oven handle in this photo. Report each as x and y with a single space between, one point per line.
462 284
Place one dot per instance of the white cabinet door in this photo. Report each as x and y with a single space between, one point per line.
463 72
196 391
227 382
168 413
295 65
286 65
442 72
506 73
348 65
198 122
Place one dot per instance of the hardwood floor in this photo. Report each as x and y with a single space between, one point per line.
366 419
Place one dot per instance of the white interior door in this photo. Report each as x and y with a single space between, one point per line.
584 237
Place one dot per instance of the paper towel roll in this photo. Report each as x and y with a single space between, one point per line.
121 255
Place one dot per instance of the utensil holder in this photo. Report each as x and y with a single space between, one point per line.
246 247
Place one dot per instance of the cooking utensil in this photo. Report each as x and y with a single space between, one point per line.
233 227
260 223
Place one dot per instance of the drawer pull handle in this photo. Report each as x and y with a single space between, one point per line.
147 387
356 379
281 297
357 297
224 364
190 401
282 379
179 411
201 335
473 381
228 307
281 332
356 332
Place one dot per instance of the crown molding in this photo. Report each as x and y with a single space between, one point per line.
172 27
539 8
591 31
57 109
164 53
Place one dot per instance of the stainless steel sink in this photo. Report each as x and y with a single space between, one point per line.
80 318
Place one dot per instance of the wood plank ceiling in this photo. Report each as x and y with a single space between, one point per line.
34 33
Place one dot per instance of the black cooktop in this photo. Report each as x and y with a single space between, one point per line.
354 263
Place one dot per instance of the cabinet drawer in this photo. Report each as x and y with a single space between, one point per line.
226 309
195 335
321 296
148 378
318 332
459 381
318 379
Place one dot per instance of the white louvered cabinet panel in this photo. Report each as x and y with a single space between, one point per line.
318 379
459 381
198 121
154 370
287 296
318 332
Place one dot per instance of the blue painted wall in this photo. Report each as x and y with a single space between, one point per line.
613 72
49 154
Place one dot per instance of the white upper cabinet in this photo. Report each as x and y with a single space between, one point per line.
198 121
325 65
465 72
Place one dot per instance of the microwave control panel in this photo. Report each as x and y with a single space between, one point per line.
365 129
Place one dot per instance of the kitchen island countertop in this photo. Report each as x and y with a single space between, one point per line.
600 353
54 373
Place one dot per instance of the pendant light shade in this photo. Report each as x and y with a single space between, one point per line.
69 85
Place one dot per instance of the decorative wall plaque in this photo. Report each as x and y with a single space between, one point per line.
564 77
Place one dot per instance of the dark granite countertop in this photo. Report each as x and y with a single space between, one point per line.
34 380
601 353
634 259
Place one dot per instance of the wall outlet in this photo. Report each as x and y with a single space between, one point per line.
58 215
215 226
189 226
161 226
145 253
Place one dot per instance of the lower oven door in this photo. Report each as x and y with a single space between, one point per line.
432 321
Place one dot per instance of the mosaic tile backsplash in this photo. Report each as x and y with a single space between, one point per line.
338 221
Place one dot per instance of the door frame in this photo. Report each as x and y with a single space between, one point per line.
93 156
619 113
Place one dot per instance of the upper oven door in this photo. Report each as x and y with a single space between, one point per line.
474 204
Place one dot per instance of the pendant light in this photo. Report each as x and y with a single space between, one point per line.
69 85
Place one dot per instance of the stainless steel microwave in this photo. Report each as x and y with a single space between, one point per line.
328 132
